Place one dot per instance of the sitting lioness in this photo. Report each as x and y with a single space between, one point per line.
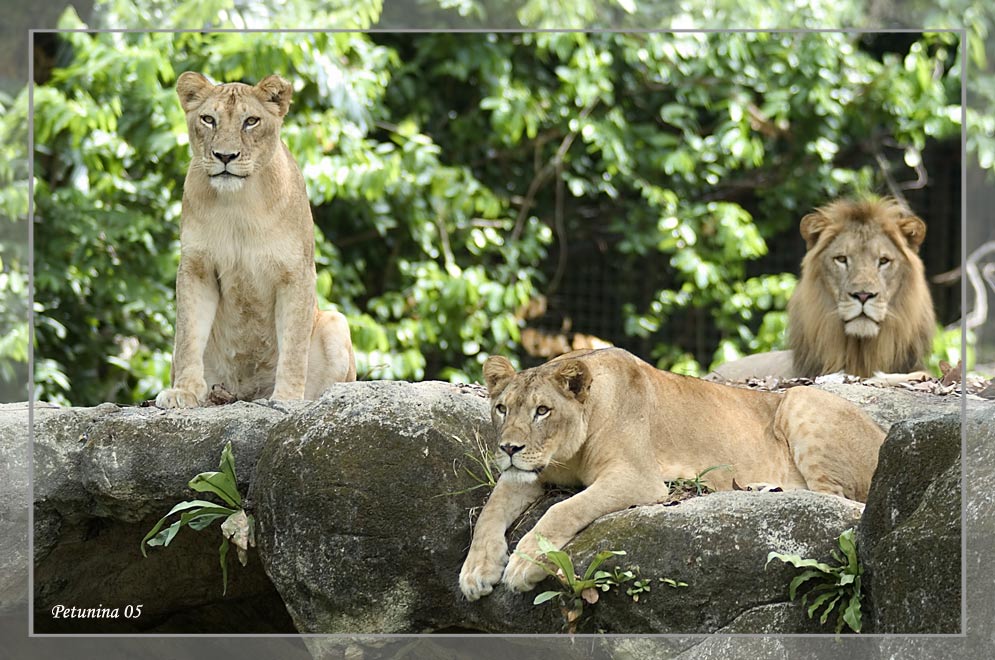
608 421
246 313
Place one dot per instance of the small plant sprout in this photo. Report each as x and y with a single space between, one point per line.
576 590
238 527
683 488
480 467
830 587
485 471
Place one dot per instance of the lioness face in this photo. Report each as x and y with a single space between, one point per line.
538 414
863 266
234 128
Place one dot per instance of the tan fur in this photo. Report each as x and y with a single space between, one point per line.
246 314
608 421
829 329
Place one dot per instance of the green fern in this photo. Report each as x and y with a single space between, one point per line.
829 587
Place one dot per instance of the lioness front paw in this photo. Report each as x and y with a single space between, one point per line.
478 576
522 574
176 397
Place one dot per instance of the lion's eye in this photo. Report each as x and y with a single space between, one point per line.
501 408
841 259
884 261
207 119
251 121
541 410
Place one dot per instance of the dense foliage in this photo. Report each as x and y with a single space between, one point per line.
450 173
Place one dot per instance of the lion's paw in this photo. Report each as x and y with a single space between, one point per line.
478 576
521 574
176 397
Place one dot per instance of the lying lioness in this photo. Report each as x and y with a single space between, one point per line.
608 421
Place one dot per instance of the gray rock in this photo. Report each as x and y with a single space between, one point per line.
364 506
363 525
718 545
887 405
364 509
102 477
13 504
910 536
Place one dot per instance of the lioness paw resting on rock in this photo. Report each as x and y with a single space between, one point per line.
621 428
246 312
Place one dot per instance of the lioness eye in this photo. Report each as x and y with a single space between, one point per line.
541 410
207 119
251 121
841 259
884 261
501 408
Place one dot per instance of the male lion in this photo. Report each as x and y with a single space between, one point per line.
862 304
246 313
606 420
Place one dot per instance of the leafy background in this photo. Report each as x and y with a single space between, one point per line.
448 172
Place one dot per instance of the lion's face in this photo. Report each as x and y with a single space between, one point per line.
863 270
538 414
863 253
234 128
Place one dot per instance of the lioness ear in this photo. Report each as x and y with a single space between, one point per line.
812 226
497 372
914 230
274 89
575 379
192 88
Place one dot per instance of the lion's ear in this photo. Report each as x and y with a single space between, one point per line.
575 379
497 372
277 91
812 226
914 230
192 88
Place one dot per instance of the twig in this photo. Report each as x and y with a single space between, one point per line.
978 277
893 186
547 171
561 235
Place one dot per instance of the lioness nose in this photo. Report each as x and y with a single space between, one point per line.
863 296
225 158
511 449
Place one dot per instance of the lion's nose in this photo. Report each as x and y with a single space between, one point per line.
226 157
863 296
511 448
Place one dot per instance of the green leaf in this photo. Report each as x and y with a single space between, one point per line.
164 537
223 553
545 596
195 510
849 547
205 520
852 615
545 545
562 561
798 562
600 559
227 465
800 579
219 483
822 599
829 608
162 521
